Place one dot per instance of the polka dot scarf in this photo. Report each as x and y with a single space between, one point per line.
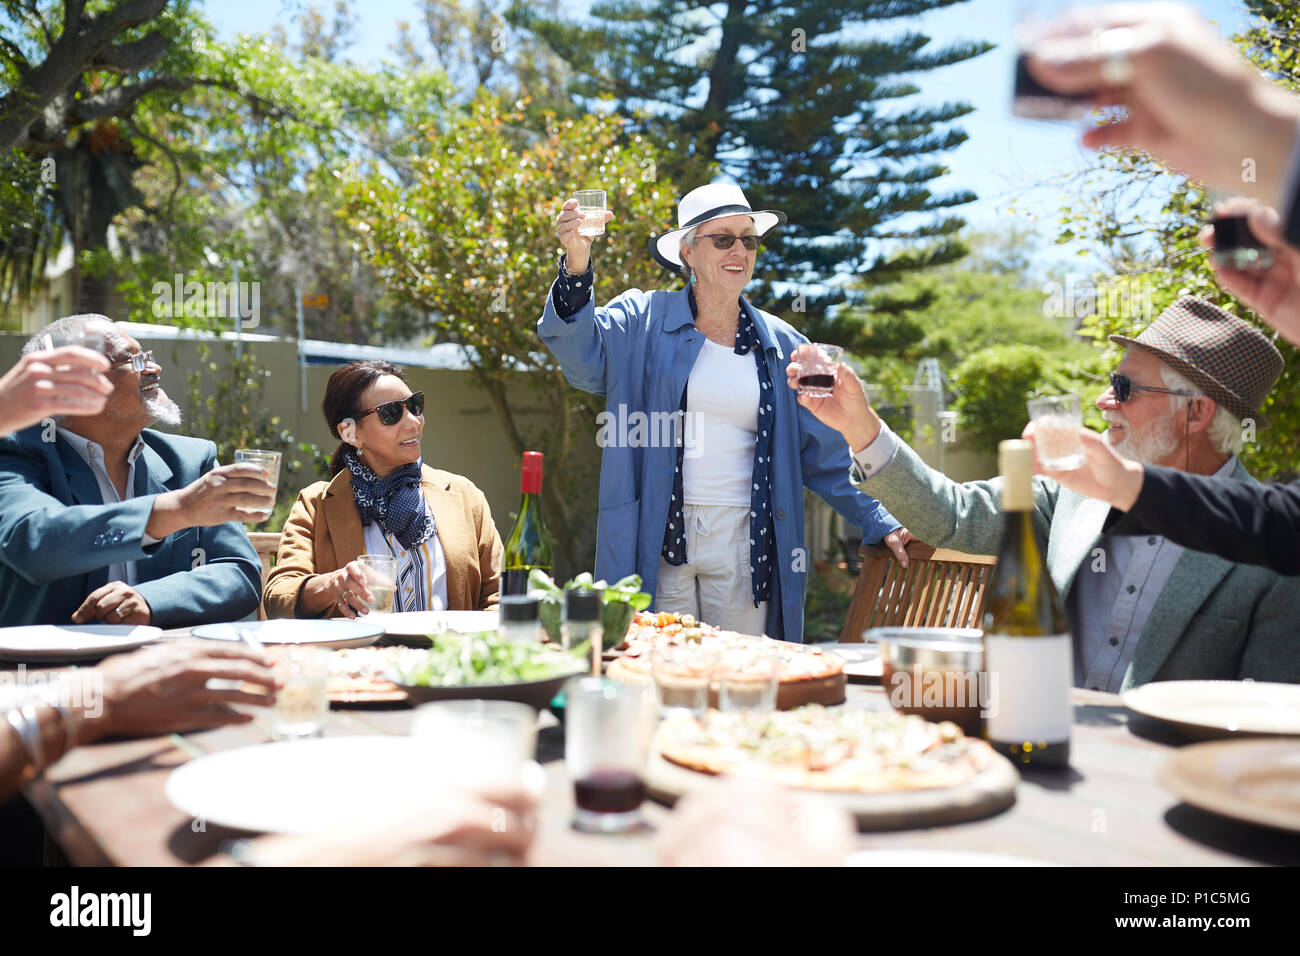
761 544
396 502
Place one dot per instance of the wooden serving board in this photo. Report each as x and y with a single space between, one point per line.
789 695
991 792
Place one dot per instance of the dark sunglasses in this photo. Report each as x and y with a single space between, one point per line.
390 413
1124 388
724 241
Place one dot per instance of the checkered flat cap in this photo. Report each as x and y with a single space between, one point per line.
1225 357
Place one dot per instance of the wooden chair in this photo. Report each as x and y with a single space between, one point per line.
938 588
266 544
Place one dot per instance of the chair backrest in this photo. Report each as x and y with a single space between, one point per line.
266 544
938 588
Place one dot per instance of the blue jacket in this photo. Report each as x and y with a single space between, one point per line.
57 537
638 352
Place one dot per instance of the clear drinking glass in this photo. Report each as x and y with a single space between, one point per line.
302 703
682 677
381 579
747 680
817 370
591 206
480 743
1029 98
607 730
268 461
1057 422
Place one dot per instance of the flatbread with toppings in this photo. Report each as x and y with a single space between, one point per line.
816 748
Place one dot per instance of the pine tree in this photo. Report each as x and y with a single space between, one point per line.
793 101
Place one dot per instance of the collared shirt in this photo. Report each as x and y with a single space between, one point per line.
1113 594
93 455
421 571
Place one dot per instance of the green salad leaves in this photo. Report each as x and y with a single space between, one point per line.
485 658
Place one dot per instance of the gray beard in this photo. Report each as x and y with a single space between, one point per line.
164 410
1157 441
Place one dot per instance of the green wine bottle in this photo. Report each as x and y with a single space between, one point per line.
1028 650
529 545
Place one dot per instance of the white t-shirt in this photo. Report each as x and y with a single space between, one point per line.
721 427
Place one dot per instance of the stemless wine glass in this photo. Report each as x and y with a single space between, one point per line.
1029 98
607 730
817 368
381 580
748 680
479 743
1057 421
682 676
302 702
268 461
591 206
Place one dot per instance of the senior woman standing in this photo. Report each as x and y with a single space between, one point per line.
713 524
383 500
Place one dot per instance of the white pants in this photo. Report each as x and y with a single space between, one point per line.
715 584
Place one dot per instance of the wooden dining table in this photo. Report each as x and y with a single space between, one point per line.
104 804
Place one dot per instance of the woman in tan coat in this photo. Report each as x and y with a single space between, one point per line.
383 500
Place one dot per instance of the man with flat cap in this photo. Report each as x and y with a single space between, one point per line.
1142 607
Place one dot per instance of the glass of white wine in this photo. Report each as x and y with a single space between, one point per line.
381 580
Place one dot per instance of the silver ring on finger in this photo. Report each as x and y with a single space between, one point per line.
1116 44
121 610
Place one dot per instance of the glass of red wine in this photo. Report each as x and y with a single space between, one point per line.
607 729
817 365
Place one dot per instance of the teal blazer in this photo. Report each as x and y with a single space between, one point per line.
57 537
1214 620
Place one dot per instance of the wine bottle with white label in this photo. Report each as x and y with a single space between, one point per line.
1028 651
529 544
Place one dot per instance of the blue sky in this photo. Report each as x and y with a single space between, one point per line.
1005 157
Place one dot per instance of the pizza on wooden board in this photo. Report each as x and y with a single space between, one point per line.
665 629
817 748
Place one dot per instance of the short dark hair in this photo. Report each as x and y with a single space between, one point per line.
343 397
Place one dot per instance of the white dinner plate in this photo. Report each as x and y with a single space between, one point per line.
1257 781
937 858
312 786
72 642
423 623
1219 708
339 633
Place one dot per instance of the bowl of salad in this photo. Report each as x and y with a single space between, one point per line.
486 667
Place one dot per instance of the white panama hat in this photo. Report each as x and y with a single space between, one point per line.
704 204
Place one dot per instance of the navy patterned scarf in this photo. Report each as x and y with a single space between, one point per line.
761 540
396 502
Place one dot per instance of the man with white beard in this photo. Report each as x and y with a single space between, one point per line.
1141 608
104 519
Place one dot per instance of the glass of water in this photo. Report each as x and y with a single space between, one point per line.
302 702
683 675
479 743
747 680
381 579
1057 421
591 206
268 461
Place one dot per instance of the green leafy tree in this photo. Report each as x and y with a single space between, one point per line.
985 320
468 235
244 178
74 77
226 406
797 103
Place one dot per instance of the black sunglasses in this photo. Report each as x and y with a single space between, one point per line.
390 413
1124 388
722 240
